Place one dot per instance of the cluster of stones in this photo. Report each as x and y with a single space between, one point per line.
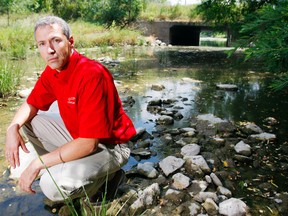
192 180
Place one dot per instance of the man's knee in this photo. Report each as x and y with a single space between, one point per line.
49 188
60 188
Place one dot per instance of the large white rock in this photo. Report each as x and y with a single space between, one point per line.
180 181
264 136
146 198
233 207
170 164
190 150
243 148
199 161
210 118
147 170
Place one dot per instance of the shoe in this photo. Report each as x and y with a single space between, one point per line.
111 187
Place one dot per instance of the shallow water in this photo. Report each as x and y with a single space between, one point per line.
168 66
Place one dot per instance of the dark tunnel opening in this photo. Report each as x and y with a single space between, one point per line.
182 35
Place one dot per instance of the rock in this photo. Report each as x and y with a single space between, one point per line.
180 181
199 161
147 169
178 116
210 206
224 191
181 142
128 101
197 186
24 93
243 148
168 113
190 150
242 158
228 87
169 101
145 199
190 80
141 152
208 179
202 196
233 207
166 139
139 132
215 179
263 136
210 118
143 144
165 120
270 121
157 87
175 196
217 140
170 164
156 102
194 209
187 129
251 128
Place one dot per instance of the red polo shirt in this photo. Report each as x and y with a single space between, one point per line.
88 100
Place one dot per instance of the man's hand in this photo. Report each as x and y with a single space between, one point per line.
29 175
14 140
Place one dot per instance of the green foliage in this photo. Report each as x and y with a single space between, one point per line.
16 41
9 78
280 83
40 6
220 11
159 11
175 12
5 6
88 35
121 12
266 35
67 9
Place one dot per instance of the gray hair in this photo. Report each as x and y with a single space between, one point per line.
49 20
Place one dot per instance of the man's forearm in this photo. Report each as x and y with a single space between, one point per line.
76 149
24 114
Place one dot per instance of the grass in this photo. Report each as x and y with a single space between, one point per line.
10 76
88 35
158 11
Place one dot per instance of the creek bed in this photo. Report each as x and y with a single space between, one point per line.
139 69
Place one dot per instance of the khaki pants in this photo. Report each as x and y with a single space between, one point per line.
47 132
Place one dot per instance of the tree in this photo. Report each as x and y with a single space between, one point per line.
40 6
265 33
230 13
121 12
67 9
5 8
220 12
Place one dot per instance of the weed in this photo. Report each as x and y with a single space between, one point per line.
9 78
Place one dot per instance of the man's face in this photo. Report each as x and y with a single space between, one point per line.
53 45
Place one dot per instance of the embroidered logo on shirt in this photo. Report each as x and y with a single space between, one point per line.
71 100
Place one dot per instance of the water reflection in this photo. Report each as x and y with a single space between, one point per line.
201 68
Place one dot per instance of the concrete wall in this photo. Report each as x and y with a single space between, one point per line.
171 32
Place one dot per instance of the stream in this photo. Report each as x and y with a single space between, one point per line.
135 70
